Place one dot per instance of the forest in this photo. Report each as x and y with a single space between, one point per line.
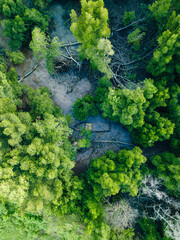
89 120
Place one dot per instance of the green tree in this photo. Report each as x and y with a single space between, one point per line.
14 29
33 17
42 3
17 226
84 107
160 10
173 112
155 129
15 57
128 106
35 153
123 234
150 230
138 109
19 21
165 58
135 37
128 17
113 172
12 8
91 30
42 47
168 169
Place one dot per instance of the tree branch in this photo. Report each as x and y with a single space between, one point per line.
27 74
120 29
108 141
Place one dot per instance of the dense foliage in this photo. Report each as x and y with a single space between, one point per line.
14 225
168 169
91 30
84 107
150 230
19 20
115 198
44 48
137 109
36 155
114 172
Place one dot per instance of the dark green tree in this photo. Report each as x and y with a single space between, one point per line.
14 29
84 107
168 169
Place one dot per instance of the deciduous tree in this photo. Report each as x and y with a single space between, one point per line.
91 30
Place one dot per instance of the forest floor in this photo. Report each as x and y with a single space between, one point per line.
69 85
74 82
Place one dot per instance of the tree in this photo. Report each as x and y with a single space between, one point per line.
128 106
14 29
12 8
35 153
167 169
15 57
160 10
120 215
19 22
156 128
84 107
123 234
43 47
33 17
91 30
42 3
173 113
135 37
164 58
150 230
113 172
17 226
128 17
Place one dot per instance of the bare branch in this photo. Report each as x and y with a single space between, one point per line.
28 73
70 44
120 29
108 141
